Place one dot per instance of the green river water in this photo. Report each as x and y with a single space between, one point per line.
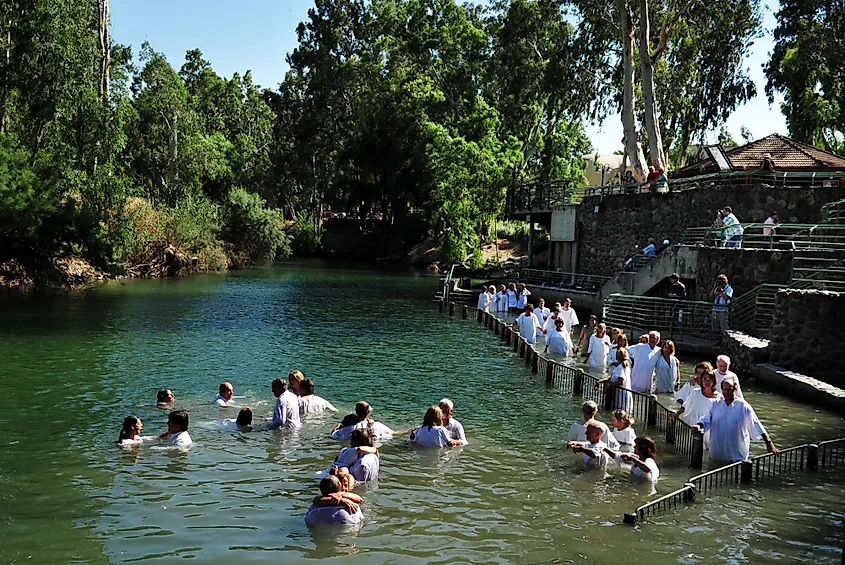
74 366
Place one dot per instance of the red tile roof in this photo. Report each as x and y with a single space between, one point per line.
788 155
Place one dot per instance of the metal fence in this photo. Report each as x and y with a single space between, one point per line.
677 318
834 212
561 280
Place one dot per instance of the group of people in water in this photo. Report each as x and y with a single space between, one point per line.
711 400
295 398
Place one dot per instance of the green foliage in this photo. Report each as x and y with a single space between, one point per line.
253 231
306 239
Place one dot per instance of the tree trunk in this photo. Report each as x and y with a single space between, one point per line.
4 95
655 140
632 146
172 157
105 49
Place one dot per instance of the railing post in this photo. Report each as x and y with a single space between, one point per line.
609 396
550 370
515 339
746 471
578 383
697 459
652 411
813 456
451 308
480 315
440 306
522 348
465 313
689 494
489 323
630 519
535 361
670 430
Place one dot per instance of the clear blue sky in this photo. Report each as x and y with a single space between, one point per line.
257 35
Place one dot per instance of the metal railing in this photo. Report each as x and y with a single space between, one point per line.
561 280
641 314
834 212
832 453
545 195
662 505
790 459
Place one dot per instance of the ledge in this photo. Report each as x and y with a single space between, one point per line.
800 386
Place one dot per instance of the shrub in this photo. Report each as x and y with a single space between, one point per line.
253 231
307 239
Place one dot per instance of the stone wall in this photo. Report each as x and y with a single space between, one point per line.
627 220
807 336
745 269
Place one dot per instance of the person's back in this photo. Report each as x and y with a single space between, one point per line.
431 436
313 404
338 515
559 344
291 404
456 431
365 468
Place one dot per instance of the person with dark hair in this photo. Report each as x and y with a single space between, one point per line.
361 419
643 460
694 382
335 505
732 230
130 433
360 459
286 411
310 403
722 294
225 394
587 332
165 397
177 430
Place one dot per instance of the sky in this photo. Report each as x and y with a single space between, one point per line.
256 35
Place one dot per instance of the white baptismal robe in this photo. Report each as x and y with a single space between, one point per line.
732 427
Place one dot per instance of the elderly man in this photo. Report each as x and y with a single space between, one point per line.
723 366
454 427
732 230
578 432
732 424
645 357
225 394
286 411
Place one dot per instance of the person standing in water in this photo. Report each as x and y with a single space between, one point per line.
286 411
597 348
453 427
177 430
225 394
587 332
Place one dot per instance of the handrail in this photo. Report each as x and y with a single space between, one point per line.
562 280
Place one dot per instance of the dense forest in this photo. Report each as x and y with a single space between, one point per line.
390 108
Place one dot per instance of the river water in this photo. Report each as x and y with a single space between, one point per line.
74 366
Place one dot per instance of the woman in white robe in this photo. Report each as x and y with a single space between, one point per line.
310 403
667 369
698 403
598 347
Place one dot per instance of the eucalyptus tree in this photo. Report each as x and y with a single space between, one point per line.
807 66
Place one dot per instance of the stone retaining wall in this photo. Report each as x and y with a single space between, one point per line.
745 269
626 220
807 334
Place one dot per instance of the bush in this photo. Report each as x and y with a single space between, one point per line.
253 232
307 239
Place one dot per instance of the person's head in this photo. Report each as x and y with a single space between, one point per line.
347 481
363 410
513 287
349 420
226 390
727 210
528 308
131 428
666 243
644 338
594 431
645 447
433 417
165 396
621 420
177 421
244 417
278 386
362 437
295 377
541 303
622 356
593 321
614 333
668 348
775 216
504 288
700 368
708 382
723 363
447 407
621 340
674 278
601 329
653 338
729 387
559 325
306 387
650 241
722 280
330 484
567 303
492 289
589 409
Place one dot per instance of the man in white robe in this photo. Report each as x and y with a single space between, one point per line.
578 432
723 370
453 427
484 300
732 424
529 325
569 317
645 357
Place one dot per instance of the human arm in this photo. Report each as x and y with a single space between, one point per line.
677 375
635 461
348 500
770 445
278 416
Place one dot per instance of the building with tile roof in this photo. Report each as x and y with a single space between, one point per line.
787 154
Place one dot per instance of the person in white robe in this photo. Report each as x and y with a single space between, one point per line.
642 462
598 347
528 325
578 431
549 325
570 319
453 427
513 299
502 300
644 357
335 506
732 424
484 300
611 354
723 370
361 419
667 370
694 382
622 428
225 394
310 403
543 314
522 296
593 450
432 433
558 344
620 381
698 403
